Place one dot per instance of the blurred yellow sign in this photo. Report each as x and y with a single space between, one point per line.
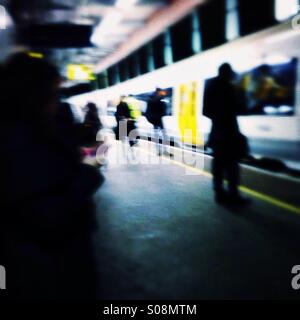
188 113
80 72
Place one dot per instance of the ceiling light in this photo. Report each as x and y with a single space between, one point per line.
110 21
286 9
106 25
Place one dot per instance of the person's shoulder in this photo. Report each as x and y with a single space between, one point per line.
212 83
123 104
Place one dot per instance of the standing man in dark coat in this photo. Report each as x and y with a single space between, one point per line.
156 110
123 113
221 105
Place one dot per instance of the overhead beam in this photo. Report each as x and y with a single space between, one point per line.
155 25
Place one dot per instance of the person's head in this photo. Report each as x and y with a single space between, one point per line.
31 88
160 92
91 107
157 91
264 70
226 72
122 97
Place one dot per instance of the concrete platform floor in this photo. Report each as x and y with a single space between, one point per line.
161 236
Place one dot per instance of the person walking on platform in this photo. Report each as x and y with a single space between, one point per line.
126 112
156 110
92 120
221 105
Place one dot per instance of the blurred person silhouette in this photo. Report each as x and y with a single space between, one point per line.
221 105
90 127
70 131
92 121
124 114
156 110
47 212
80 136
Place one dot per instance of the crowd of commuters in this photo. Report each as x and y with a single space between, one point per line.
223 102
47 211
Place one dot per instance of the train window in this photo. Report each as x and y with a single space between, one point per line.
181 34
269 89
111 79
143 60
150 57
134 68
232 20
113 75
117 73
168 53
158 51
212 23
286 9
103 81
124 70
196 33
256 15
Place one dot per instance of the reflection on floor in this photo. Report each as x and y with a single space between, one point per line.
161 236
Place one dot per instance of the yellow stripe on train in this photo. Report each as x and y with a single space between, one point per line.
188 114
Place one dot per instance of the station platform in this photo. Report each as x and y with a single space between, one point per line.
162 236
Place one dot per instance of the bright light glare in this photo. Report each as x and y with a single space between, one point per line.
100 34
3 18
125 4
285 109
286 9
106 25
275 59
270 110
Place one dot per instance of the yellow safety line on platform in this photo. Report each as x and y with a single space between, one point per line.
261 196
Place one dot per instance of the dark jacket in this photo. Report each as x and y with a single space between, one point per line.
122 112
46 191
222 105
156 110
46 212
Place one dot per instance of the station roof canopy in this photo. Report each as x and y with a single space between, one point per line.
92 32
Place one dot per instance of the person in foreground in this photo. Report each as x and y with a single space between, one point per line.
47 212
